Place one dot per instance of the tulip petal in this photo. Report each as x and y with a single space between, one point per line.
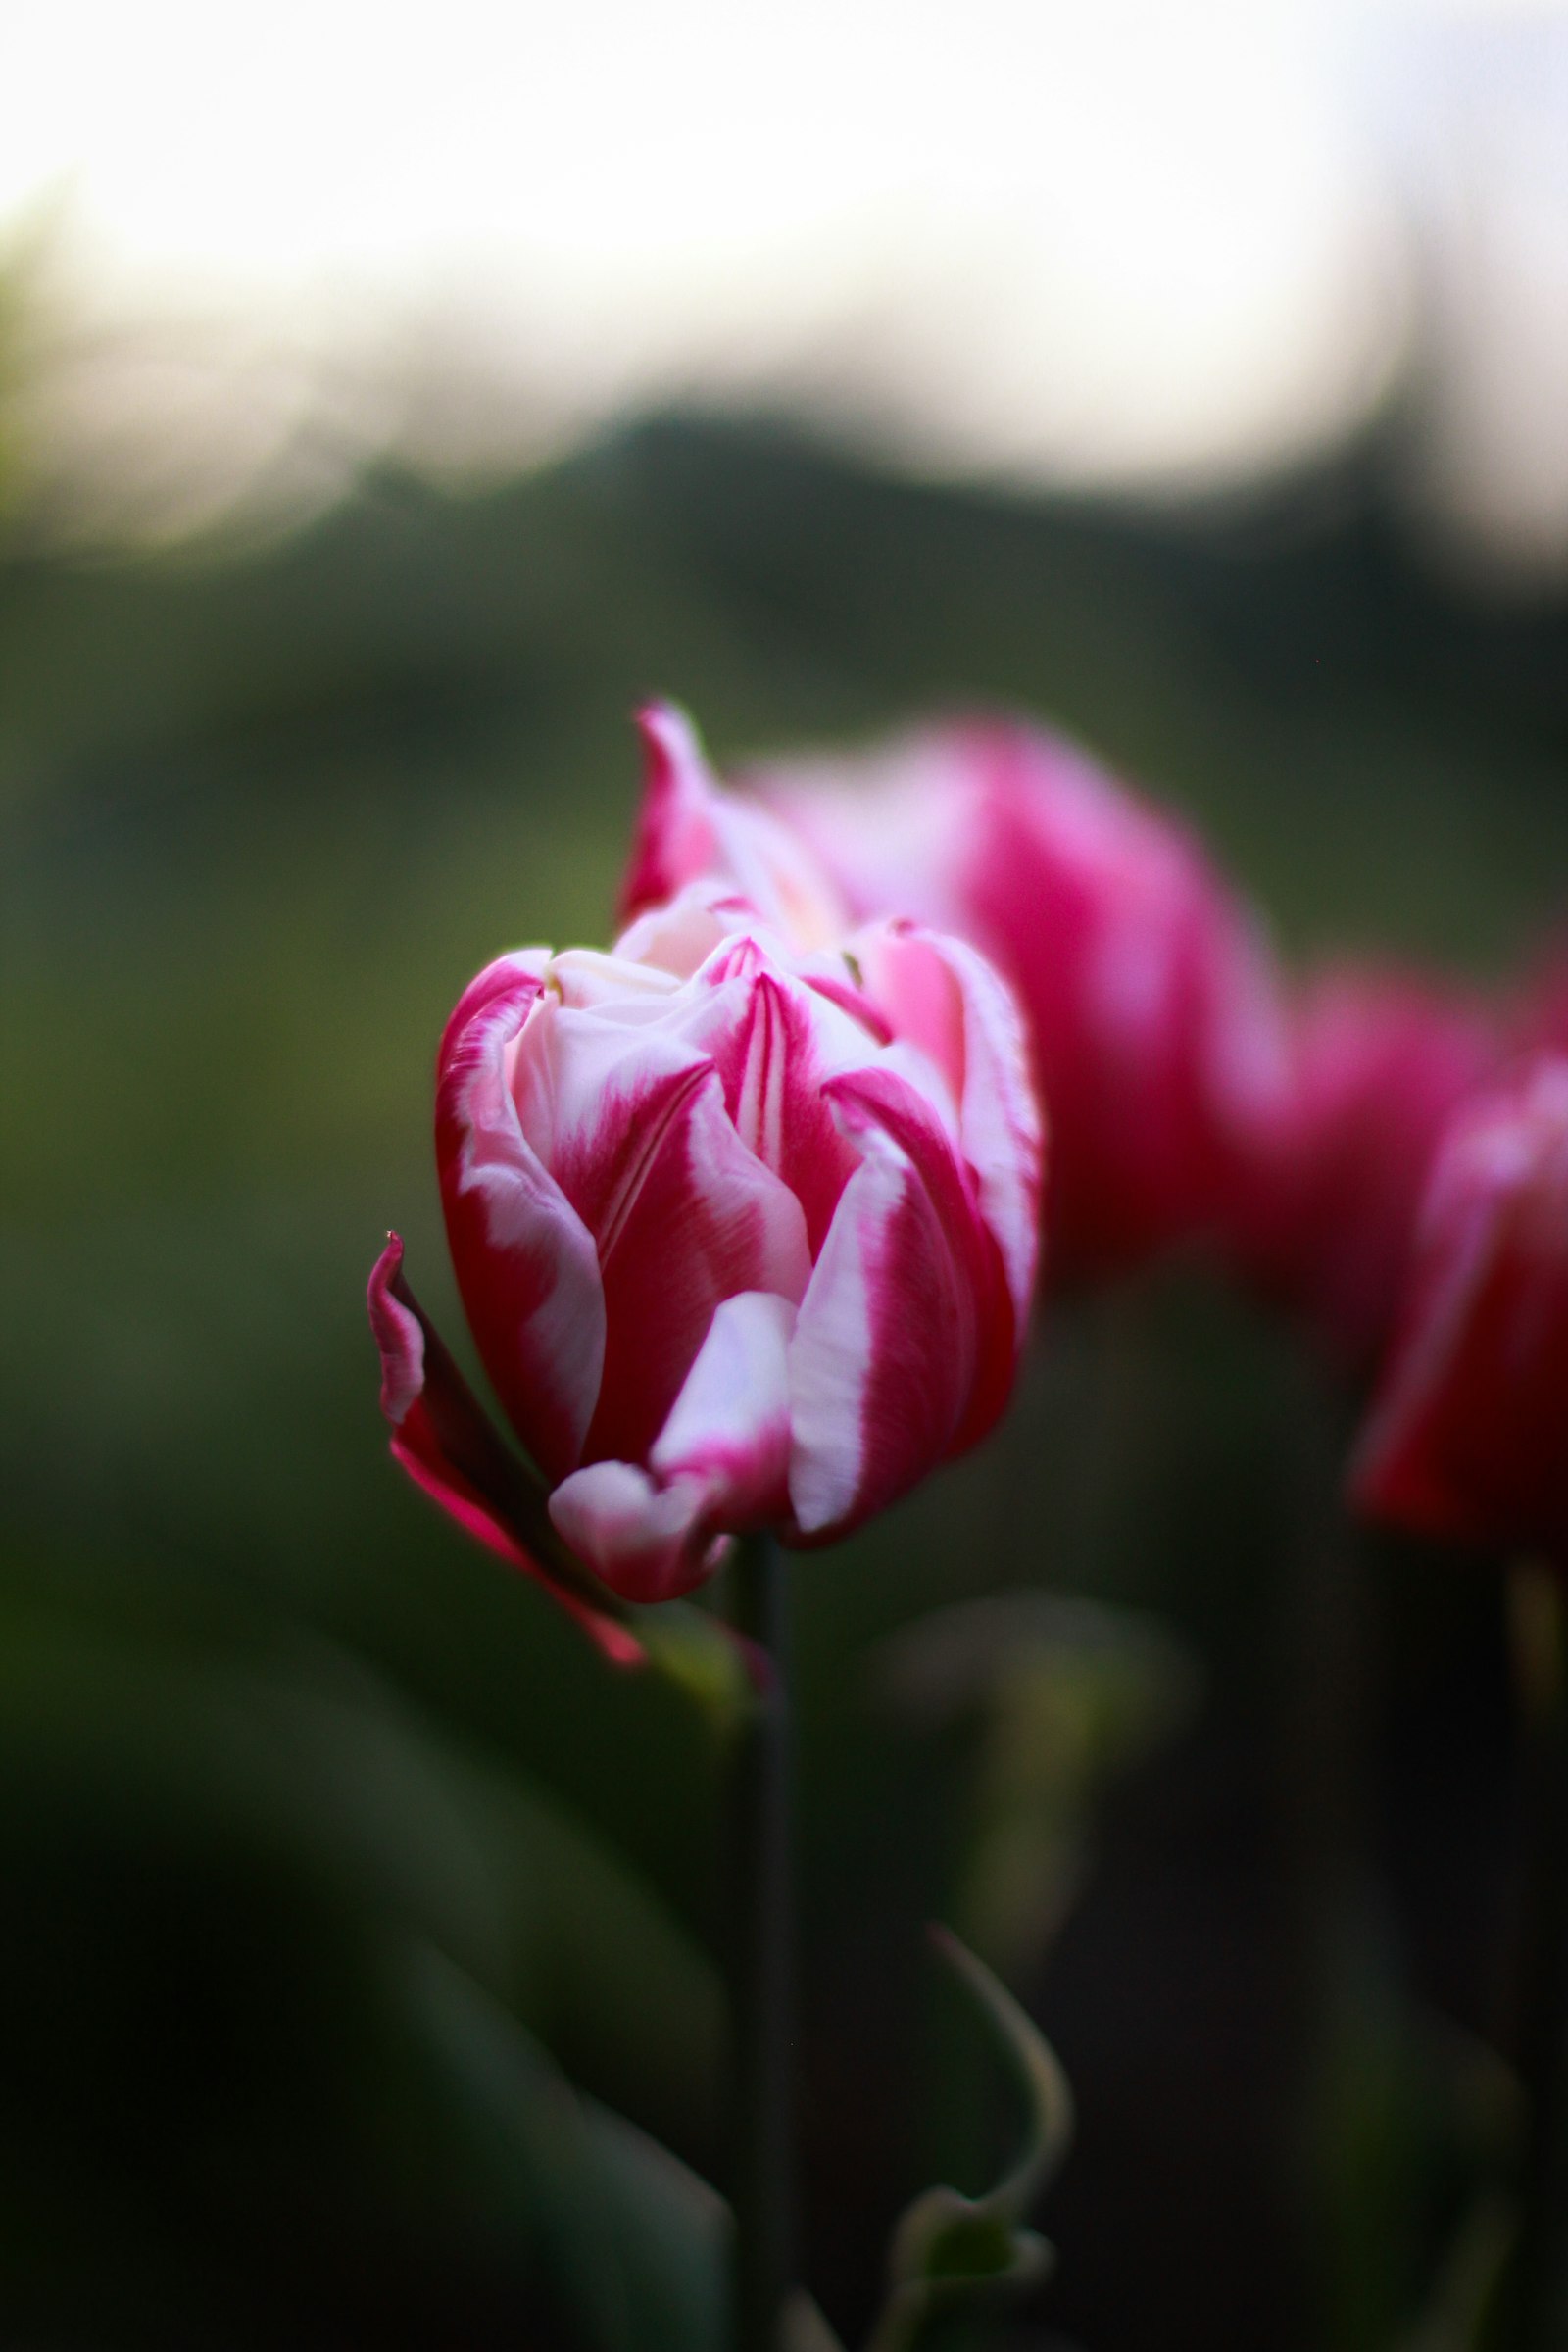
893 825
689 828
730 1424
1324 1223
883 1362
939 993
772 1043
631 986
1468 1435
1401 1474
525 1261
709 1222
444 1439
720 1465
1149 991
903 1113
679 934
648 1542
675 840
680 1214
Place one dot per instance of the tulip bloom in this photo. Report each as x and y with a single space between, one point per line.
1147 984
1468 1434
1379 1063
744 1232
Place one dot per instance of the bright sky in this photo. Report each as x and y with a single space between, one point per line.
1105 240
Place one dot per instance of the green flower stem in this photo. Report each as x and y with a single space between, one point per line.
763 1958
1535 2307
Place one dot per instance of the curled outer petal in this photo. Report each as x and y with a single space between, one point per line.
525 1261
446 1443
718 1466
1468 1434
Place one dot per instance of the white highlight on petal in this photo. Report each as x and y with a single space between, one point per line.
632 1533
830 1356
941 990
1002 1130
526 1218
575 1074
586 979
730 1424
679 935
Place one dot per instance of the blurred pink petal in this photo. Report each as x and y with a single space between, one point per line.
1468 1432
689 828
1380 1061
1146 984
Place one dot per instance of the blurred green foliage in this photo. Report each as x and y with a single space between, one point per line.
327 1842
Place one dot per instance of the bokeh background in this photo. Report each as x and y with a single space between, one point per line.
389 399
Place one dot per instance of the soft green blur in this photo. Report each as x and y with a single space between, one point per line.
291 1780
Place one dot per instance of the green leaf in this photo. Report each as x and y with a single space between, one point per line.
948 2247
635 2243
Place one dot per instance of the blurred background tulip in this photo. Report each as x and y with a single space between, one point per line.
1468 1434
1151 1000
1379 1061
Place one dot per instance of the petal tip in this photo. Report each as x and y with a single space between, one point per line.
398 1333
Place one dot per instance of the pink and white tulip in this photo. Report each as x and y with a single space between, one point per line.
1468 1434
744 1232
1147 983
